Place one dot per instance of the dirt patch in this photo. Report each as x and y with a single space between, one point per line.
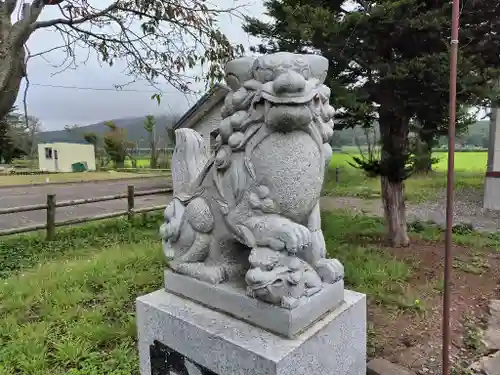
412 337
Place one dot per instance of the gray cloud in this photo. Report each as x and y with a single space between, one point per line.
57 106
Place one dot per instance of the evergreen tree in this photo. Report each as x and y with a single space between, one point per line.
389 61
116 144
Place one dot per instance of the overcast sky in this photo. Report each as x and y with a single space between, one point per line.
58 106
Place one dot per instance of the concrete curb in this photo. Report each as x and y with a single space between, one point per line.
78 182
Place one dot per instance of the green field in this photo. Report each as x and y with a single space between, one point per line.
470 168
464 161
143 163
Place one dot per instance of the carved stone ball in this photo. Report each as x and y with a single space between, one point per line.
239 97
235 139
263 191
237 119
225 129
238 71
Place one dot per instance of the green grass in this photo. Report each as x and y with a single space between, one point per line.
74 314
20 252
464 161
67 305
71 309
77 316
144 162
418 188
371 270
368 269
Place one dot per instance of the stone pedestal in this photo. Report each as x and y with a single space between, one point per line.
179 336
231 299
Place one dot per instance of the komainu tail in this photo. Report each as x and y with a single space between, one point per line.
189 159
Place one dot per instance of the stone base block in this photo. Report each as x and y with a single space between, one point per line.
230 298
179 336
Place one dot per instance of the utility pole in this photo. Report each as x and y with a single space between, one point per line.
449 188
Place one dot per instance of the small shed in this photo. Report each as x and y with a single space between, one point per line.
205 115
64 157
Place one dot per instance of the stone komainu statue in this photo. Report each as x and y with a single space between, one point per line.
252 211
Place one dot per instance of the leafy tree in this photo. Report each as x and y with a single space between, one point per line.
93 139
150 127
116 144
13 140
389 60
6 138
157 39
32 126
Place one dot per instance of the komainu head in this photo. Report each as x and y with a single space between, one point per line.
285 91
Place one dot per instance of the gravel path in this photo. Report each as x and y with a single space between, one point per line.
468 209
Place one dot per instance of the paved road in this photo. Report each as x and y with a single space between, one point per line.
22 196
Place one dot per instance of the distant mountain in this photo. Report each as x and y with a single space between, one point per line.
134 126
477 134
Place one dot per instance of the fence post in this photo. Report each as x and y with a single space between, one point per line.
130 202
51 217
337 175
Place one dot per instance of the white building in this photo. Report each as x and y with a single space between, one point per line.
60 156
205 115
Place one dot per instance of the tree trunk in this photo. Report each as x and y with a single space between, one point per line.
394 156
152 144
12 65
422 152
120 163
11 74
13 37
154 157
428 156
394 212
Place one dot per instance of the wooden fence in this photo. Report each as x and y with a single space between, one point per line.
50 225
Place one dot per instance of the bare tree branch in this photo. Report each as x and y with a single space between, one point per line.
75 21
157 39
37 54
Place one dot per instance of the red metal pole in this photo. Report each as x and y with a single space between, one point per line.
449 188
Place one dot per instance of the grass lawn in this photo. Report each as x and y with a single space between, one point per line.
141 163
353 182
464 161
144 162
76 316
6 180
470 169
67 307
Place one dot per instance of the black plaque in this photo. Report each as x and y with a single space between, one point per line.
166 361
